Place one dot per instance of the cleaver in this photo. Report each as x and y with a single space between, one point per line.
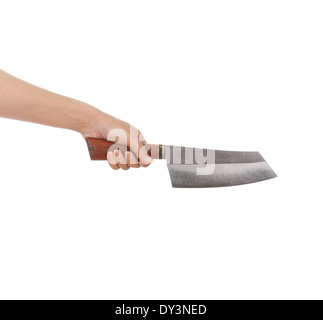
199 168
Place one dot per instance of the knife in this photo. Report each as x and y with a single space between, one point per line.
199 168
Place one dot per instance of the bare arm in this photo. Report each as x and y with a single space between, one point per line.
22 101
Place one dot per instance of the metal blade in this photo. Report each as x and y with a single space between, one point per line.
211 168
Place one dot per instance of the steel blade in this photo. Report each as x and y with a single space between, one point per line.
211 168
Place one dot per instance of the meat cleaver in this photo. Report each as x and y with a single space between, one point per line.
199 168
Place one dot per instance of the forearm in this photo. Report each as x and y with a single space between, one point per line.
22 101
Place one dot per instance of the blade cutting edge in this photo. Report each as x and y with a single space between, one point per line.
226 169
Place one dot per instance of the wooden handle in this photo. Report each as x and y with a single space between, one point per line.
98 149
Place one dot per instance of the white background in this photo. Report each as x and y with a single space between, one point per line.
232 75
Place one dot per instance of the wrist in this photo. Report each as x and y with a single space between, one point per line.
96 125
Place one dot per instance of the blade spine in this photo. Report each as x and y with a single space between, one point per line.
168 150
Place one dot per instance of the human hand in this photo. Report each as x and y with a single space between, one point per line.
129 149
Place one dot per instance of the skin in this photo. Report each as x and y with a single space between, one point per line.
20 100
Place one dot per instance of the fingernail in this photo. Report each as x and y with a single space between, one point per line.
116 153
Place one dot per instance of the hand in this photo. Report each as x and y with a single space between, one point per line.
123 134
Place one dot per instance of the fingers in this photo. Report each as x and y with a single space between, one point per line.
121 160
138 148
132 160
135 158
112 161
116 160
144 163
138 151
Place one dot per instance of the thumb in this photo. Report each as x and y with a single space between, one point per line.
144 159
